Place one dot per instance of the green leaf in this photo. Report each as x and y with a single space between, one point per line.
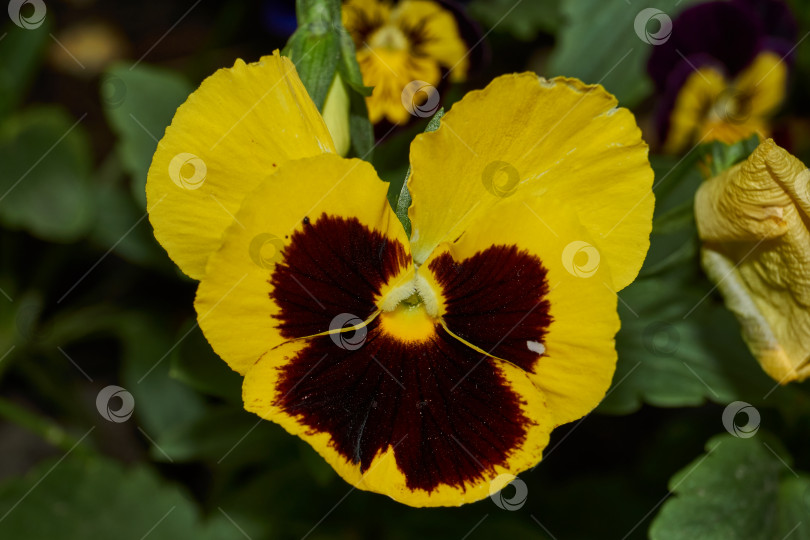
315 52
44 180
722 156
314 48
523 20
404 200
21 50
161 403
196 364
226 434
121 224
741 488
678 346
139 103
82 497
598 44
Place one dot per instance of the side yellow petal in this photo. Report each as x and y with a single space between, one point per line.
526 138
689 116
763 84
237 306
753 220
232 133
574 362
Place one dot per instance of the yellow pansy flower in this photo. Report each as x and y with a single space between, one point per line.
398 44
753 220
429 368
709 107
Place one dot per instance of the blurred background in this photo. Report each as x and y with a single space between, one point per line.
118 420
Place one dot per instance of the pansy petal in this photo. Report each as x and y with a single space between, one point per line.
533 291
430 423
312 247
523 137
390 72
764 83
687 118
434 33
753 220
234 131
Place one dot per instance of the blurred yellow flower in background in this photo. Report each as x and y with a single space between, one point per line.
413 40
753 220
712 107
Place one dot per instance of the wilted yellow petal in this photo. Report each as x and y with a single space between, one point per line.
753 220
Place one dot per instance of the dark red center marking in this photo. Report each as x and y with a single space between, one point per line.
448 412
332 266
496 300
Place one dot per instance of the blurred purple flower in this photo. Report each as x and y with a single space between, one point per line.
725 36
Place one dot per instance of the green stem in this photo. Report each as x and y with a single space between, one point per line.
52 433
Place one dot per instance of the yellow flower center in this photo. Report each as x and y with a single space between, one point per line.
732 106
409 321
389 37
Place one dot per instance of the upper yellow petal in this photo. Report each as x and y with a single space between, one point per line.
523 137
232 133
753 220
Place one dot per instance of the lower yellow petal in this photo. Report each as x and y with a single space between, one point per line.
409 420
